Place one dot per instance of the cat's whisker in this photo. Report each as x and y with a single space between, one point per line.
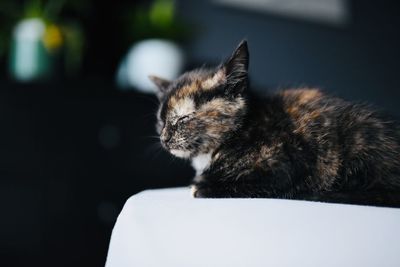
153 137
154 150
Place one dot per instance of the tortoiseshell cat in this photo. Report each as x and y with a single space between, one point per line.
296 144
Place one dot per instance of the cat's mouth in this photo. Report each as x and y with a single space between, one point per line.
180 153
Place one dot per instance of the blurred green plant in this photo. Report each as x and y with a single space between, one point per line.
158 20
62 33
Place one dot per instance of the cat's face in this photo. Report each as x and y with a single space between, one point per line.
202 107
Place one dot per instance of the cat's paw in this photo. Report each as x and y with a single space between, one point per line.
193 190
198 192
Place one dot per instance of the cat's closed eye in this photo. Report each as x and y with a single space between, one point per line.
183 119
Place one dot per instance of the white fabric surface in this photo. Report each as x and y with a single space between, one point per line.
169 228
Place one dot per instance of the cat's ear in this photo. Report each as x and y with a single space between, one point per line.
161 84
236 68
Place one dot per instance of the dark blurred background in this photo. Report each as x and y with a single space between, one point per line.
77 136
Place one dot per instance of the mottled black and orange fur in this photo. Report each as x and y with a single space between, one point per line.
296 144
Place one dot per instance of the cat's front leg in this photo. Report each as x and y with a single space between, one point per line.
230 190
199 190
205 187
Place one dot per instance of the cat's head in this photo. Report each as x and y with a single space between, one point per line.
201 108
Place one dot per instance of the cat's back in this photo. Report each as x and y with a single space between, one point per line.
311 110
347 138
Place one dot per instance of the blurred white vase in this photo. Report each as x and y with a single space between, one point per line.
28 57
158 57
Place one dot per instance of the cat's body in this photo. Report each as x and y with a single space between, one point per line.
305 145
296 144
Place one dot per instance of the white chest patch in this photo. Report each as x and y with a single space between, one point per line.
201 162
180 153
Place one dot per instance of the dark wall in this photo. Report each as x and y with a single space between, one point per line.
71 155
357 61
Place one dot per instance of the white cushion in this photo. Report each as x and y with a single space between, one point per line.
169 228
